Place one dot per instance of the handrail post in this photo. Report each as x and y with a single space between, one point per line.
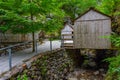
63 44
36 46
10 58
63 41
51 44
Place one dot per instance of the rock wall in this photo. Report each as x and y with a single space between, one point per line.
51 66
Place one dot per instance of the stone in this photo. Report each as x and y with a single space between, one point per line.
38 72
102 70
96 72
28 64
55 76
76 73
82 71
82 79
72 79
92 64
103 75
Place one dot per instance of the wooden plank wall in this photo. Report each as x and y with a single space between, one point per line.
89 34
90 29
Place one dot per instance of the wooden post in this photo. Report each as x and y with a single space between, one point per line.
62 41
10 58
51 44
36 46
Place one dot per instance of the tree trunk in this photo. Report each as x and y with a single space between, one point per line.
33 38
33 33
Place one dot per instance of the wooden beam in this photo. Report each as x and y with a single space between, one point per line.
92 20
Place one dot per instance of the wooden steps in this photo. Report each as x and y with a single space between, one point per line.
67 41
68 45
67 34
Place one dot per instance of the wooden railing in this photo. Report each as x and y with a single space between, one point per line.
9 50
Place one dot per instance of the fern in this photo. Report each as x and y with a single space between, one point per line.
114 66
24 77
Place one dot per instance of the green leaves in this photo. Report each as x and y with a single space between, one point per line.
17 13
23 77
26 27
30 8
73 8
114 62
3 29
2 12
114 68
115 40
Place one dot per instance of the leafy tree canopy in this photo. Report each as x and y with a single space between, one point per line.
16 15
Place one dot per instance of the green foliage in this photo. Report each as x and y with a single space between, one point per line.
3 29
111 8
114 68
18 13
23 77
73 8
114 62
43 67
115 40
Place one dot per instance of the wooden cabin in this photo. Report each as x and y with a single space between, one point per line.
67 35
89 30
8 37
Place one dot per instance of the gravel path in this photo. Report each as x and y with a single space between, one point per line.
18 57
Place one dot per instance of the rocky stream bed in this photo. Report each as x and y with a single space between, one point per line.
58 66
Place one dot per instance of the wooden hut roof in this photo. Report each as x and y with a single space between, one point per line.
68 25
93 10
